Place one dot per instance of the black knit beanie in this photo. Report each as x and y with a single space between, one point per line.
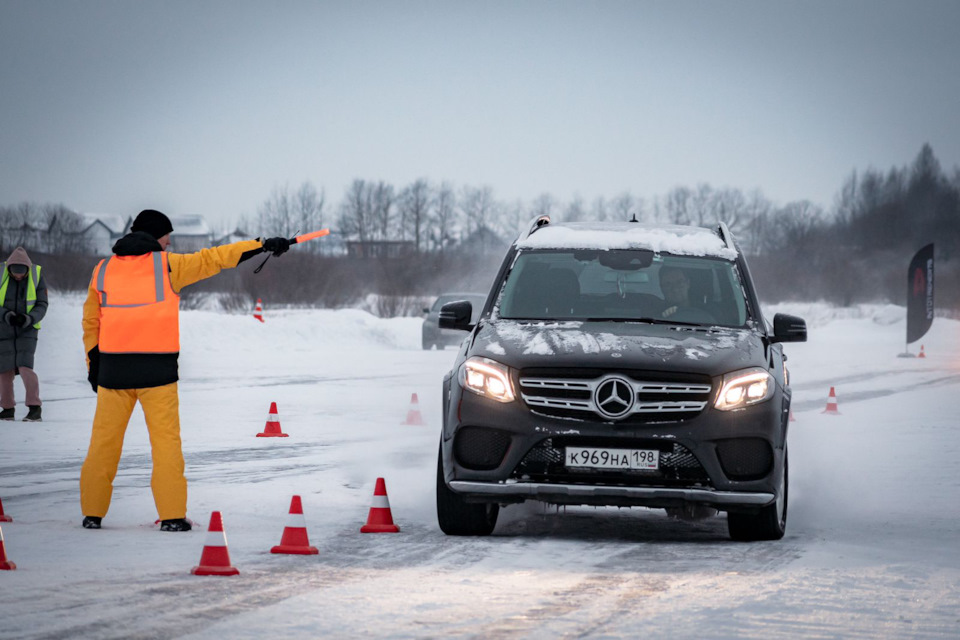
152 222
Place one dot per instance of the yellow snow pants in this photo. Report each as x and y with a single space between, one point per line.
161 409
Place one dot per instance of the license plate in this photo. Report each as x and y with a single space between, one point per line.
600 458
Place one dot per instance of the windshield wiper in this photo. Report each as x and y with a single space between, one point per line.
646 321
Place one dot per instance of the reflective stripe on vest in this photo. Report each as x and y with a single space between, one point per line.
32 281
139 310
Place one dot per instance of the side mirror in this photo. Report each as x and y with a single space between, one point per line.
456 315
788 328
426 310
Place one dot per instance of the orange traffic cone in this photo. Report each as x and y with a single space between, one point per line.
294 539
413 414
258 311
380 520
272 429
215 559
921 354
832 403
5 565
4 517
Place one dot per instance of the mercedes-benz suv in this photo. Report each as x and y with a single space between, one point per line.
618 364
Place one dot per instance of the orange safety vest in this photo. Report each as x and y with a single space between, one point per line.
139 310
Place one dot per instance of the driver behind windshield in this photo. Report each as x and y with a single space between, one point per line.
675 286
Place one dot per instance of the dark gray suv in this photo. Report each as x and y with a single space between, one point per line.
618 364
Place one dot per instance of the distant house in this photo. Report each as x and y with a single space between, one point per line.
26 235
102 230
190 233
236 235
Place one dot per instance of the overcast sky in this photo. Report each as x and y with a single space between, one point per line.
204 107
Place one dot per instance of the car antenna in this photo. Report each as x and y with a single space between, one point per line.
634 218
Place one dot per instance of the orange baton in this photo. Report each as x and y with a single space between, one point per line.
312 235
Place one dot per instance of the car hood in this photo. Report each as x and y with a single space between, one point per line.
623 345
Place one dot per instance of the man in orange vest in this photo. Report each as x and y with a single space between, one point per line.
131 334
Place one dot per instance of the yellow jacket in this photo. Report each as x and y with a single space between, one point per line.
185 269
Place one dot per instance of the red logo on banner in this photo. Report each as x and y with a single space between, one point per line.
919 283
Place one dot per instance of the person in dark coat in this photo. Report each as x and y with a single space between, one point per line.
24 295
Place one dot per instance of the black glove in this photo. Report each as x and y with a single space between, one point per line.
94 373
277 246
9 316
19 320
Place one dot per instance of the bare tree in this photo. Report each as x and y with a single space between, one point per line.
575 210
756 228
624 206
309 207
476 205
599 209
276 213
543 205
444 217
63 230
676 206
414 205
729 206
512 219
797 224
355 215
383 209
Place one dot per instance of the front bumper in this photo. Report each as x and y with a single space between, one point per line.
585 494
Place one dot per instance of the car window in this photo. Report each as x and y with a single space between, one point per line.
549 285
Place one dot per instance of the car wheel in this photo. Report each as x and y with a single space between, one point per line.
770 523
427 345
457 517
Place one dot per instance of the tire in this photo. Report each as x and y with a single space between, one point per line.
457 517
771 521
427 345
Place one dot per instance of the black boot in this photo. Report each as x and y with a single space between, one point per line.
33 415
6 414
178 524
91 522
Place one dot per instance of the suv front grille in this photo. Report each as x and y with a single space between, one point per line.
614 397
677 467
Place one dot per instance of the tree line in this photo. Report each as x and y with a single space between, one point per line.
855 251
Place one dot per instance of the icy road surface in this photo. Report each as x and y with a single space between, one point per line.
872 547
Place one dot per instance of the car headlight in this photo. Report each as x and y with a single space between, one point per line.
487 378
744 388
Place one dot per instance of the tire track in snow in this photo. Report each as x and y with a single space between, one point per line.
872 394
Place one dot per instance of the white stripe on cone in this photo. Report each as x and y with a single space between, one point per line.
296 521
216 539
380 502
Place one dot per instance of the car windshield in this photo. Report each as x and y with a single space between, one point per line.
623 285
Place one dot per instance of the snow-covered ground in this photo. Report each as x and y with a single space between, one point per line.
872 547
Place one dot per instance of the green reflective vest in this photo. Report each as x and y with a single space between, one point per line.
32 280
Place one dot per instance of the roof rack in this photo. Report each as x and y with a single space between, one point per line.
725 235
533 225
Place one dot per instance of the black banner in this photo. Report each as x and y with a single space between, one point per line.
920 294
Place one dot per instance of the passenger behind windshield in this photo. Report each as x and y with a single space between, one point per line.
622 285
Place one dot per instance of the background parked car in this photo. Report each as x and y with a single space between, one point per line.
433 335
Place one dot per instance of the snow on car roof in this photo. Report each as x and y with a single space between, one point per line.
691 241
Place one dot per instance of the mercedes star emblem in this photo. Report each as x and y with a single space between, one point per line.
614 397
